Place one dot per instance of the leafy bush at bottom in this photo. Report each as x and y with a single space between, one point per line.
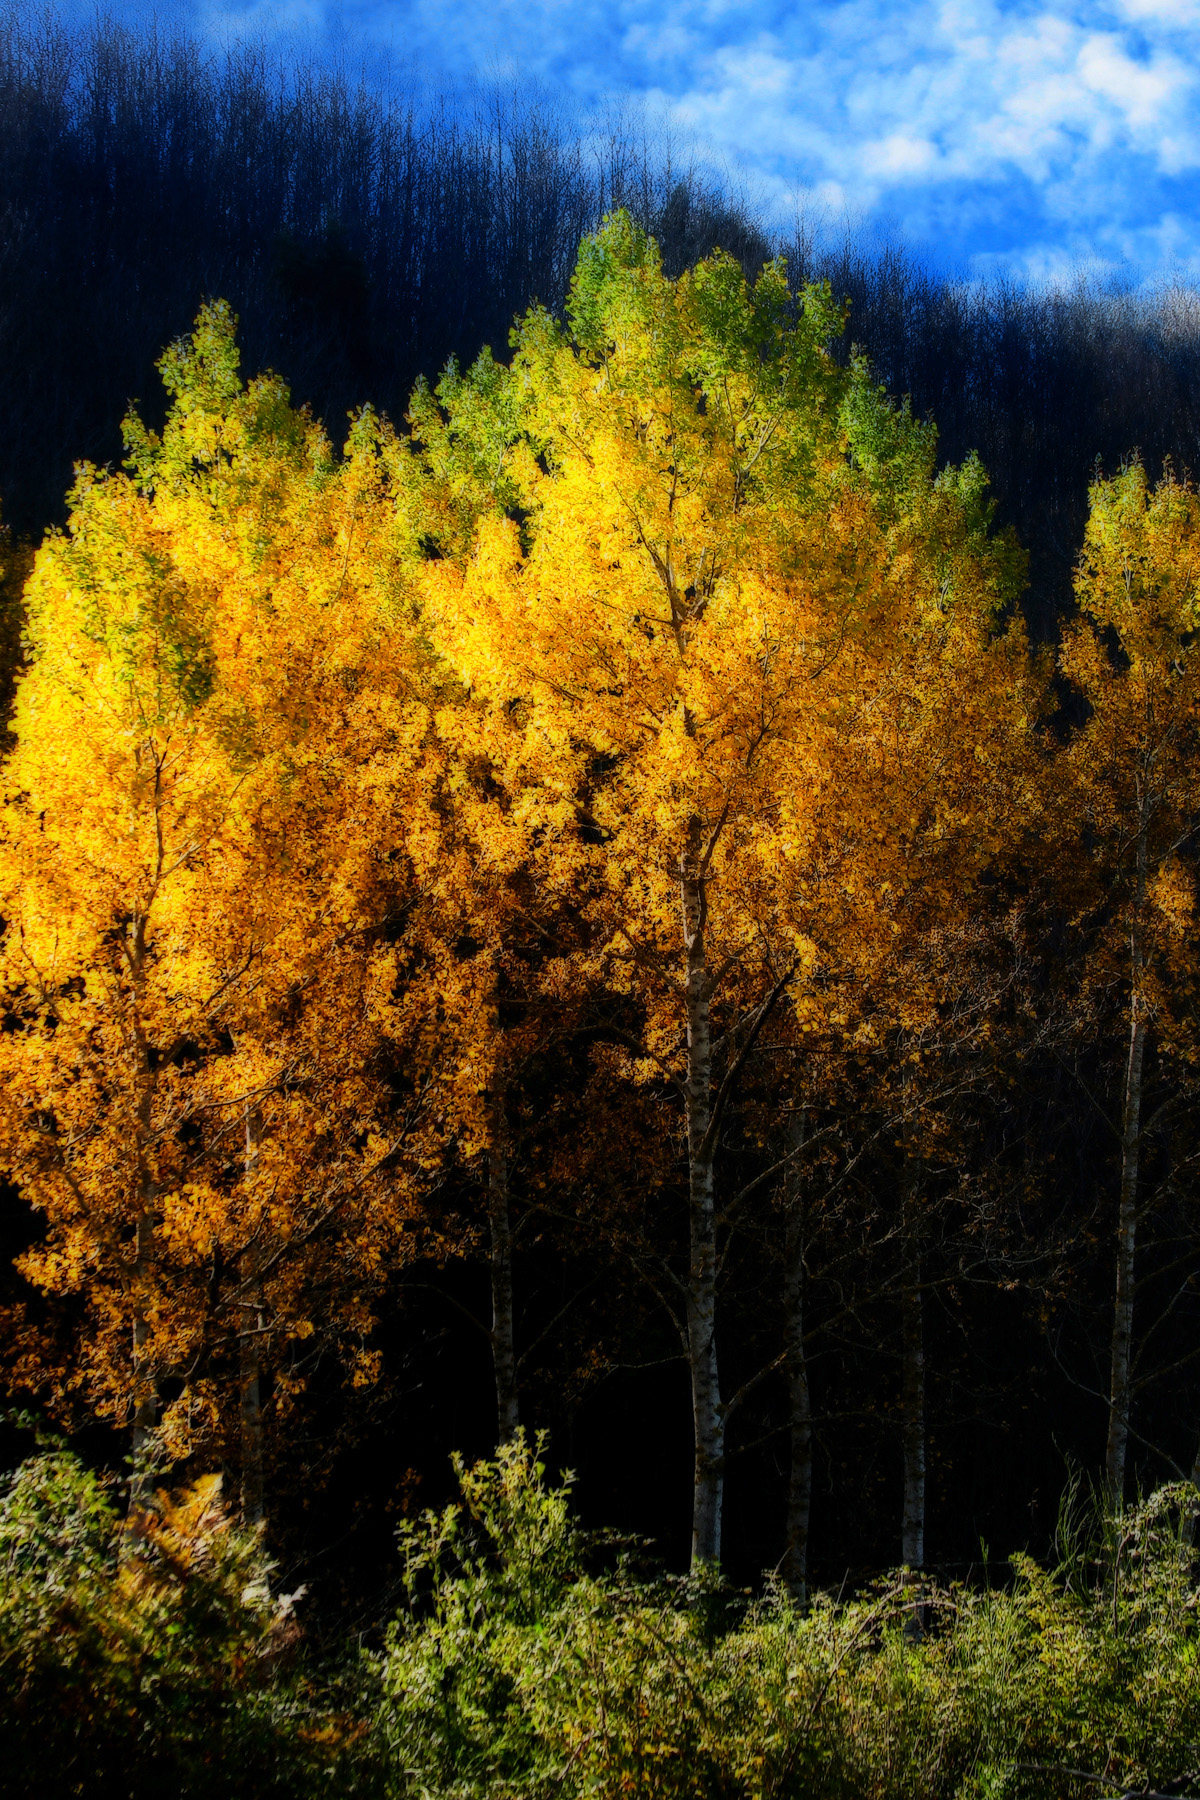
151 1661
530 1661
518 1673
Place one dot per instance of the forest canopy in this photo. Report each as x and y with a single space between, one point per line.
620 814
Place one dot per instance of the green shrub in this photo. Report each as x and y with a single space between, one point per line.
517 1672
149 1662
531 1661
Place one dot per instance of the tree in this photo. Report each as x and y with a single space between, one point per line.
717 597
1136 791
216 1082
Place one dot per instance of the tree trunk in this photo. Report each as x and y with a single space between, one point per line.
142 1068
1131 1125
707 1417
799 1496
1192 1516
912 1549
912 1546
145 1394
250 1375
145 1382
504 1361
250 1372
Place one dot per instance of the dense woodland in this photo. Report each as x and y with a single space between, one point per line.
617 881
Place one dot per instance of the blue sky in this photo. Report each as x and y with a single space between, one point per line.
1024 136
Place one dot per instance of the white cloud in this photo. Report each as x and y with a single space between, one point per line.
1182 14
898 157
1086 109
285 19
1035 129
1140 93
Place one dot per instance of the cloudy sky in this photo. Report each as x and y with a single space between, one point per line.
1032 136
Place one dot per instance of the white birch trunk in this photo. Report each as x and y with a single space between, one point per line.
1192 1516
253 1494
912 1340
707 1417
145 1392
144 1408
799 1495
145 1376
912 1550
1116 1448
504 1361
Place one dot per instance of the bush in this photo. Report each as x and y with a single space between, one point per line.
150 1659
531 1661
517 1672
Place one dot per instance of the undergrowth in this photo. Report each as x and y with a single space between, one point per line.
533 1660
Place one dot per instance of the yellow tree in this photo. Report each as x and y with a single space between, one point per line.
711 607
504 1002
1135 657
216 814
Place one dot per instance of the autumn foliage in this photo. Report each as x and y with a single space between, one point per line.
218 1086
611 830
